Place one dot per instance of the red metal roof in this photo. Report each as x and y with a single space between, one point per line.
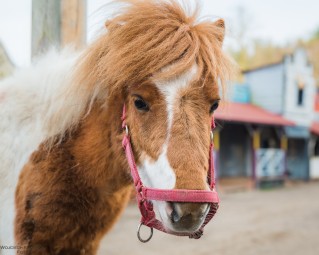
315 128
238 112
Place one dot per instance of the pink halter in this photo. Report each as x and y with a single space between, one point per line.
144 194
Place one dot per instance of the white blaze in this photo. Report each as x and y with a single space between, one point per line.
170 90
159 173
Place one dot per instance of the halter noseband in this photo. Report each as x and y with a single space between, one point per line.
144 194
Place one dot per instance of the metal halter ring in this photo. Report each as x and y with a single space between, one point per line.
139 236
211 136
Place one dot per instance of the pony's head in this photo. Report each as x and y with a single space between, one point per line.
167 69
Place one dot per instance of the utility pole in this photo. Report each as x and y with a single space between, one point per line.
57 23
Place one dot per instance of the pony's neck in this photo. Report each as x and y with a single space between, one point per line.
98 145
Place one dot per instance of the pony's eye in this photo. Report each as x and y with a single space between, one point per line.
214 106
141 105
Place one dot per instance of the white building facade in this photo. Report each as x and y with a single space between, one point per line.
288 88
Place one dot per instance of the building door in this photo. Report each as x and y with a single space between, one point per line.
297 159
235 151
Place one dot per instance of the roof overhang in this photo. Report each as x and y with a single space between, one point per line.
247 113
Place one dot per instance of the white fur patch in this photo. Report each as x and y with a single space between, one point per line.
155 174
171 89
159 174
36 103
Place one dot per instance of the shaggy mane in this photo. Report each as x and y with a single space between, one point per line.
148 35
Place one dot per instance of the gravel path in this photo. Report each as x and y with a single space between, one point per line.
282 221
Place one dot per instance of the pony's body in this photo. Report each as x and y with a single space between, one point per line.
26 101
28 104
64 178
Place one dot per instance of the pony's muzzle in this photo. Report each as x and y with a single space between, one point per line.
187 217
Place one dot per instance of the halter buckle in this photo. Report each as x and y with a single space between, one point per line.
139 235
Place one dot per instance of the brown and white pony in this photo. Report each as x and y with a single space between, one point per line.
64 178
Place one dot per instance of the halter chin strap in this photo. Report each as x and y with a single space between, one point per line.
144 194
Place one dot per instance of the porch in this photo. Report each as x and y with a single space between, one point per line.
250 147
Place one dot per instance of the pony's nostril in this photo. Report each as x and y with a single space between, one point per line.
175 216
186 216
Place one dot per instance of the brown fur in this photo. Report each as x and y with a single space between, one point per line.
190 136
70 195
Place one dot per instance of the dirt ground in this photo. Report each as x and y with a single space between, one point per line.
281 221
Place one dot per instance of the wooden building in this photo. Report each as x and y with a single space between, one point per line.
250 144
288 88
314 151
270 129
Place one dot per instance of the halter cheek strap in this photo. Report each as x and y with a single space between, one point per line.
144 194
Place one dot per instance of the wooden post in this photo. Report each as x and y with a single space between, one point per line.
216 153
255 147
45 25
284 142
216 140
256 139
73 22
56 23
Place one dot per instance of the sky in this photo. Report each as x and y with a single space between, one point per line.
278 21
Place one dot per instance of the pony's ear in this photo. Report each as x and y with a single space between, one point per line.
220 24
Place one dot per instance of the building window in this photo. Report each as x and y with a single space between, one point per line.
300 91
300 96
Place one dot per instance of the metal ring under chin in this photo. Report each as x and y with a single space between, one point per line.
139 236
